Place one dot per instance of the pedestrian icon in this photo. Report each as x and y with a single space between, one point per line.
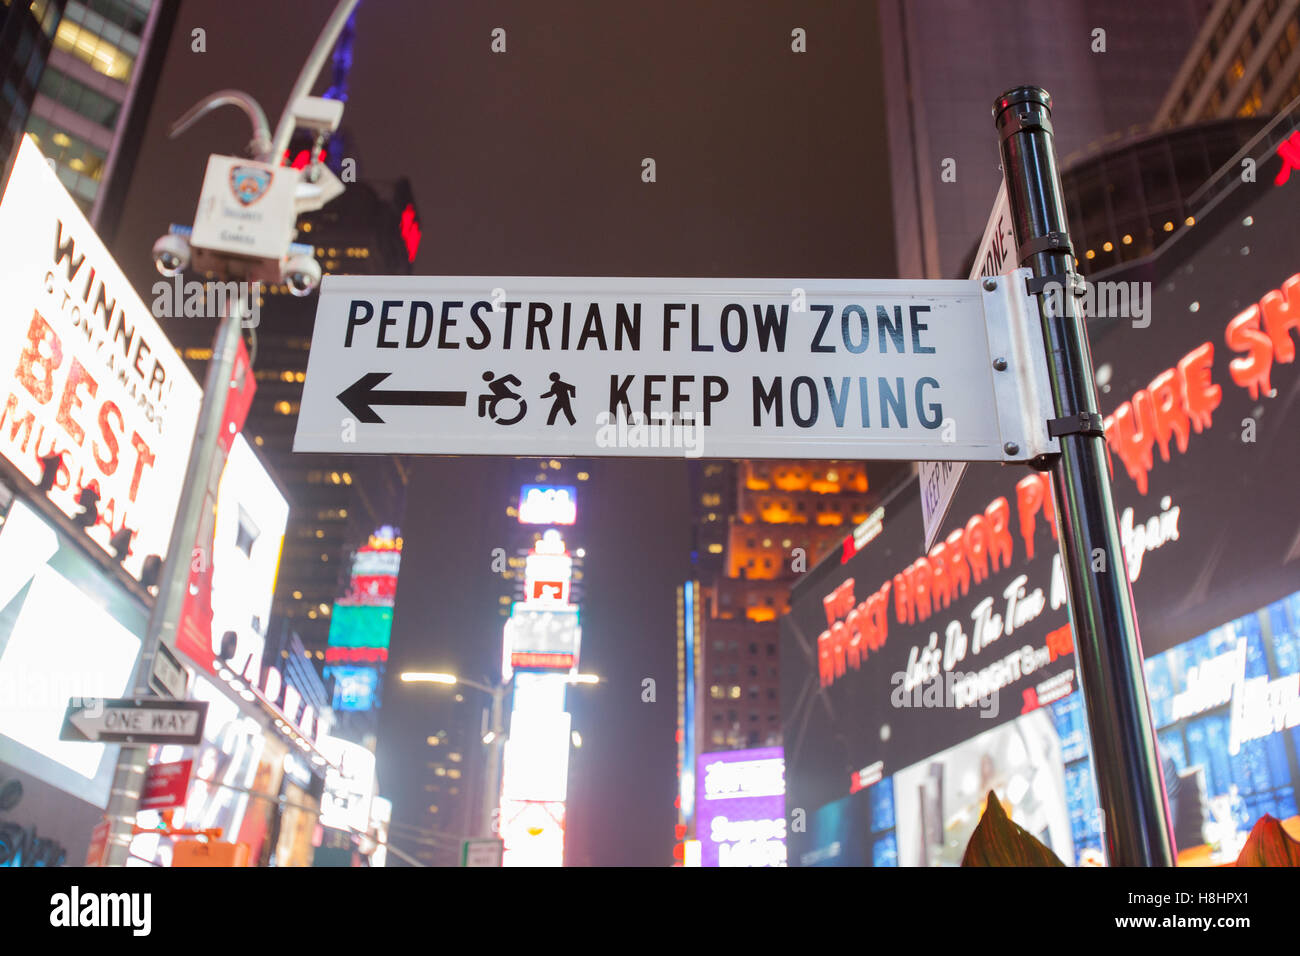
563 393
500 390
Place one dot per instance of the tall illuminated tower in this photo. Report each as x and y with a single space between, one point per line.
540 654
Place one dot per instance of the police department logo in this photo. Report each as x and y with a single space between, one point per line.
249 183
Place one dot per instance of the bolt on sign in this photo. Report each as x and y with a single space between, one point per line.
754 368
88 374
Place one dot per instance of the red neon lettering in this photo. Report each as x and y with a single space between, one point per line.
1168 412
1133 436
77 376
1251 371
939 582
878 618
1289 150
998 514
977 547
1029 501
36 371
903 597
1199 393
921 577
1060 642
108 465
839 638
825 668
144 458
839 602
958 569
855 650
1282 317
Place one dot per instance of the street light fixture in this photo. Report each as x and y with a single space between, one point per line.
495 738
412 677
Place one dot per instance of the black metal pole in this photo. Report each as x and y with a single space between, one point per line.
1108 649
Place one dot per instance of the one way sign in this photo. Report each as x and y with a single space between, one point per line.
134 721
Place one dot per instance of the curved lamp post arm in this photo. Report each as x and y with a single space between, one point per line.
310 71
261 143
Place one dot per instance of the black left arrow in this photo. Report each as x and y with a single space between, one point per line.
360 397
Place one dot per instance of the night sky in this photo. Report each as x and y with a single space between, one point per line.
768 163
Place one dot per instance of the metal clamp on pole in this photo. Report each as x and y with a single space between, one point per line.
1051 242
1085 423
1108 650
1037 285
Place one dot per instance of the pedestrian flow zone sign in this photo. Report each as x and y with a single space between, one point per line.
723 368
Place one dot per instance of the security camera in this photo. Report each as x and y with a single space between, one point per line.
318 114
171 254
301 274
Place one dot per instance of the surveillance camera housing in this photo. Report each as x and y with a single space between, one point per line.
301 274
171 254
318 114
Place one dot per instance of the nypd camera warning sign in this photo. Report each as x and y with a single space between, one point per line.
719 368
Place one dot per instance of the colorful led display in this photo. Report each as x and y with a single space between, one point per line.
740 807
548 504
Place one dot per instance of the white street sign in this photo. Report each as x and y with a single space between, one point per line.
996 256
486 852
134 720
167 675
721 368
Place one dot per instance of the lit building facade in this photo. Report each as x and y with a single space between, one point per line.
943 64
759 525
361 624
104 57
27 29
1245 61
540 656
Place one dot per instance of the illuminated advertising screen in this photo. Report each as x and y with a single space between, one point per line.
548 572
548 504
251 516
740 807
935 677
349 784
89 372
543 639
66 630
547 578
537 756
377 562
532 833
355 688
360 625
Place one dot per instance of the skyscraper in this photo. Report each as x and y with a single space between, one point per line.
1245 61
27 30
85 115
759 525
1107 63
